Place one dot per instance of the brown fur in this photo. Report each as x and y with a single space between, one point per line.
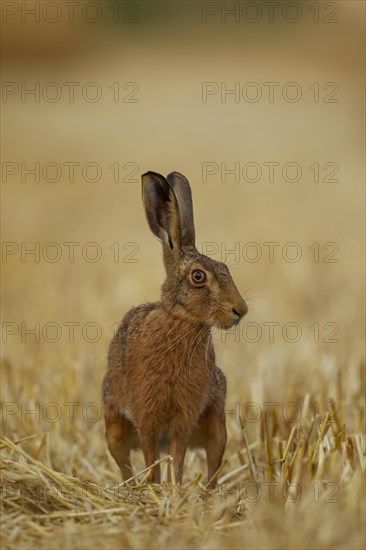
162 387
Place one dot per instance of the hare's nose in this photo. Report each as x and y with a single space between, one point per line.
240 309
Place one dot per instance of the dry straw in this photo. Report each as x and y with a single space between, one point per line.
318 454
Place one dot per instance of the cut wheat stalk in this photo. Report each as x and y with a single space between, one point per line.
269 446
250 458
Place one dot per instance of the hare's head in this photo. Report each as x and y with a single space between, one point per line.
196 287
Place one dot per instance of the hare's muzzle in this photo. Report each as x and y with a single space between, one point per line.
240 309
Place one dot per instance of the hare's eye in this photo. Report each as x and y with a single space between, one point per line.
199 277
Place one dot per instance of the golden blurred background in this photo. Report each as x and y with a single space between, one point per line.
261 106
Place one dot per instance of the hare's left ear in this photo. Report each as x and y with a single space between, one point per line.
162 211
182 191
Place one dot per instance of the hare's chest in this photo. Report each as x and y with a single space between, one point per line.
174 377
186 383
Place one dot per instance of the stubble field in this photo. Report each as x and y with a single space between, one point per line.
293 475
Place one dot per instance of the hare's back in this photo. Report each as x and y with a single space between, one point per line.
115 387
129 331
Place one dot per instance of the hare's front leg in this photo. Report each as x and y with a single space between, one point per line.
150 447
178 443
214 439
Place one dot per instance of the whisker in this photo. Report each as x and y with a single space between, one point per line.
209 340
179 339
198 342
253 286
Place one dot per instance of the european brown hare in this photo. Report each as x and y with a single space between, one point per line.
162 385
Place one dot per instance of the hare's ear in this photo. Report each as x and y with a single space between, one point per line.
182 191
162 210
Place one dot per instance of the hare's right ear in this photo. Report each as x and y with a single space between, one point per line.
182 191
162 210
